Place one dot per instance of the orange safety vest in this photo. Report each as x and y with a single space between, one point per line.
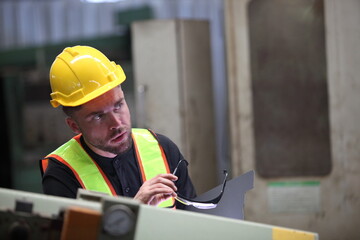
149 154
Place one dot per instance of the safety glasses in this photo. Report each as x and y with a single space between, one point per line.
200 204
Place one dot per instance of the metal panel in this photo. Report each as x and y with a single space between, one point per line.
155 59
289 84
173 73
339 195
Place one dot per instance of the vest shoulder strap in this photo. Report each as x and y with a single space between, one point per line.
151 157
85 169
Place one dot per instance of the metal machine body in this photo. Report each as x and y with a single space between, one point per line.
92 215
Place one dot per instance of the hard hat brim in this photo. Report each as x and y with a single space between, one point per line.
90 96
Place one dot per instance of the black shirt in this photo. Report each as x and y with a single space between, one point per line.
122 171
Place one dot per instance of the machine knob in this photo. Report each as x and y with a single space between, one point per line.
118 220
19 230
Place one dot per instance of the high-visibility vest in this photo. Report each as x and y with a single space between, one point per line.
149 154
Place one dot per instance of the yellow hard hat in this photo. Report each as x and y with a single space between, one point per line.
80 74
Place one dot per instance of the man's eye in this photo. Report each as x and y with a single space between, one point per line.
97 117
118 106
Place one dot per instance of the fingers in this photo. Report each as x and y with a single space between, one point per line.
161 188
165 179
163 197
168 176
157 189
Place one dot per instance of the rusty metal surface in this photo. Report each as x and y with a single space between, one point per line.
289 84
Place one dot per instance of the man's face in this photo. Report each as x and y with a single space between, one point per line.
105 123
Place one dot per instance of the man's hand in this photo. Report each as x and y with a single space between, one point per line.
157 189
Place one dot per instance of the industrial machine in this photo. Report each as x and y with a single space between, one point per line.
25 215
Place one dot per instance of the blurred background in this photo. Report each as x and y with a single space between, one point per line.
265 85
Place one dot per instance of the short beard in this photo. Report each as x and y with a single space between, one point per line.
115 149
119 149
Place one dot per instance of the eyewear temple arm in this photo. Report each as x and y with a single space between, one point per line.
200 204
216 200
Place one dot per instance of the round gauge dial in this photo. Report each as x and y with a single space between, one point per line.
118 220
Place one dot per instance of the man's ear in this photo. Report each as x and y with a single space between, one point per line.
73 125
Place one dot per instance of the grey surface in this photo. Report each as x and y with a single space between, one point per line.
289 88
232 202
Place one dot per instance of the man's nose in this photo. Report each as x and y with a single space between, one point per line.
115 121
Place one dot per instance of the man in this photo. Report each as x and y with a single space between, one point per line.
107 155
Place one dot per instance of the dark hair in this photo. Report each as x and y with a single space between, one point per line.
69 111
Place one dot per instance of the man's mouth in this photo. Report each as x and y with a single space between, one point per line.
118 138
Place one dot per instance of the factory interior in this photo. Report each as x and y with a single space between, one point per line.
271 86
